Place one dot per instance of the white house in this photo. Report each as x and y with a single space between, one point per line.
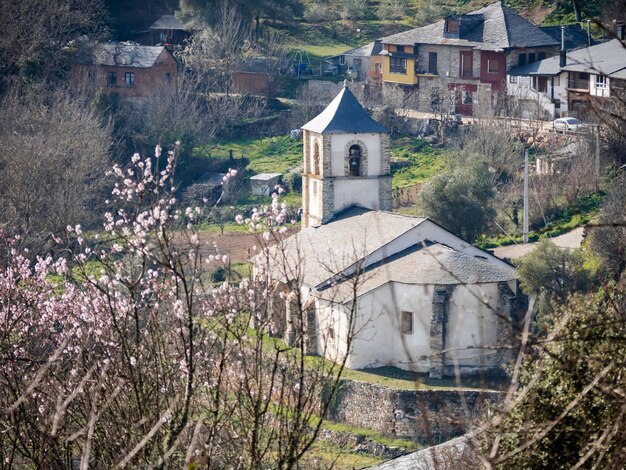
561 85
413 294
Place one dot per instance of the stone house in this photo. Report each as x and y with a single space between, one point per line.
467 54
414 295
127 70
365 61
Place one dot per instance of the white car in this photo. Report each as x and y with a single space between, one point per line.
568 124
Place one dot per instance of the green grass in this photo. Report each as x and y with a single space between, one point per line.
577 215
326 455
267 154
370 434
414 161
399 379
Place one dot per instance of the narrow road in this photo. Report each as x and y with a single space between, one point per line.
571 239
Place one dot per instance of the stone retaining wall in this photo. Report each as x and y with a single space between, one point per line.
425 416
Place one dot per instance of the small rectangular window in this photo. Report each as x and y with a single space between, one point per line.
406 322
600 81
493 66
467 64
168 77
541 55
331 332
512 78
452 26
432 63
111 78
531 57
521 59
399 48
129 79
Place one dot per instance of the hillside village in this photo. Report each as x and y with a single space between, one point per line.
307 234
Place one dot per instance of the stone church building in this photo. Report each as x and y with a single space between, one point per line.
379 288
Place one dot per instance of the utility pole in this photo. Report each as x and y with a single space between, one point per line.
525 195
597 158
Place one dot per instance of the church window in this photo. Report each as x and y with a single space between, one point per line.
406 322
316 159
354 163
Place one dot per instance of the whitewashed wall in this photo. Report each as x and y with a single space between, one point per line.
472 324
362 192
379 341
338 143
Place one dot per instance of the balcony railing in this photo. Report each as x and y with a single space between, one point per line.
577 84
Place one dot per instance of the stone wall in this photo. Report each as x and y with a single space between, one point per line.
424 415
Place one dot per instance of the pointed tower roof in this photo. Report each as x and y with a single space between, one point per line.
344 115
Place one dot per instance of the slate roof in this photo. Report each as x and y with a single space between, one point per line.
575 36
265 176
499 28
316 255
373 48
607 58
320 252
167 22
549 66
457 453
129 55
422 264
344 115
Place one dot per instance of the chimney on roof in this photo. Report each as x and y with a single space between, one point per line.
619 30
562 54
589 32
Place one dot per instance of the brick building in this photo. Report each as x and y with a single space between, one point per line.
129 70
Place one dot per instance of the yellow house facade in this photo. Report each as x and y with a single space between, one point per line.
399 64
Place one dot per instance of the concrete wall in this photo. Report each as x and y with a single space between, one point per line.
426 415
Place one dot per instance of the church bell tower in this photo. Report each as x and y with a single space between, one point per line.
346 161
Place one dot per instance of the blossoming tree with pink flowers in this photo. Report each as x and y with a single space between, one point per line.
142 361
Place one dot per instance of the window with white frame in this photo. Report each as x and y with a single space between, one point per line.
512 78
129 79
600 81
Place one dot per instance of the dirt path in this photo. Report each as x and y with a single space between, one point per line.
571 239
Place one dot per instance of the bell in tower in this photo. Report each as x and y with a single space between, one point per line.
346 161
